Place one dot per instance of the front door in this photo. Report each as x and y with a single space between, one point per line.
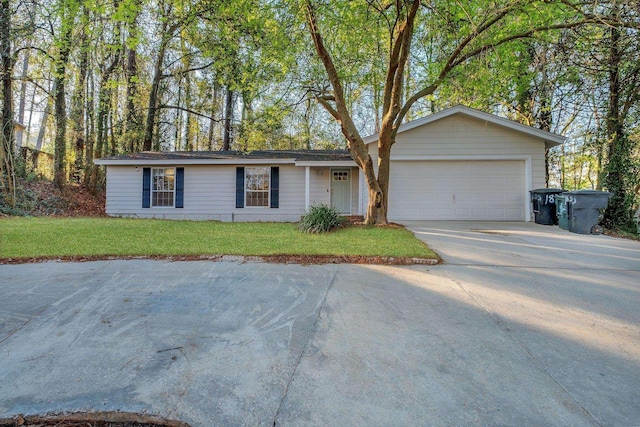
341 190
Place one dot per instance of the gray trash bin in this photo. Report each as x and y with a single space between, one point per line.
562 212
544 205
583 209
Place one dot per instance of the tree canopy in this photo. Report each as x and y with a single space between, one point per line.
89 79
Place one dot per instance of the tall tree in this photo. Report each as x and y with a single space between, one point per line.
464 31
167 30
67 11
78 99
132 129
22 104
623 69
7 140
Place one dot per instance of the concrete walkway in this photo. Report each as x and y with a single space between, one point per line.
487 339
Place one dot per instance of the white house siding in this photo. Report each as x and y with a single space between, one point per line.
355 191
209 194
320 181
320 186
462 138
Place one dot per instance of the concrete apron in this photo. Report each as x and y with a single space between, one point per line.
569 301
258 344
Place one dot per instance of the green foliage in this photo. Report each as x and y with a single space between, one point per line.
621 209
320 219
50 237
29 202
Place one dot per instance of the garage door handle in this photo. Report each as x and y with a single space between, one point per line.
454 198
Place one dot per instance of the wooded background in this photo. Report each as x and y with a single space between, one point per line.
90 79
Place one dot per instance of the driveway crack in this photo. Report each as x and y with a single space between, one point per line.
305 347
11 333
522 346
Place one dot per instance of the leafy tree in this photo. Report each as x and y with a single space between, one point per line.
449 36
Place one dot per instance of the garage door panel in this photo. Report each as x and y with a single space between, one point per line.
463 190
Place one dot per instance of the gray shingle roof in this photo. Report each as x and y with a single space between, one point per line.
298 155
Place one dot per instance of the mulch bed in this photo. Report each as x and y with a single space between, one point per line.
282 259
90 419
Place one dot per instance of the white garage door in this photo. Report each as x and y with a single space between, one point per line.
457 190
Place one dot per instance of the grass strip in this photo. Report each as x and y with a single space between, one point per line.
77 237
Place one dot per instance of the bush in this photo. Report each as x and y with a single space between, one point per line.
320 219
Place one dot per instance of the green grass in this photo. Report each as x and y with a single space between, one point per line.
69 237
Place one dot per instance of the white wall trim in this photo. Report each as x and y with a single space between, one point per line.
307 176
528 170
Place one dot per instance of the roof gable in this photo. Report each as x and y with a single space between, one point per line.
550 139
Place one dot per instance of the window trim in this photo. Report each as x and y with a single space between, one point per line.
268 190
153 190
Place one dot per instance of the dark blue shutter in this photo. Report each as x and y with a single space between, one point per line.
275 186
240 187
179 187
146 187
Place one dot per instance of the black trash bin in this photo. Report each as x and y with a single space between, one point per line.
583 209
544 205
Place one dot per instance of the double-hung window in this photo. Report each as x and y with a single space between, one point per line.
257 180
163 187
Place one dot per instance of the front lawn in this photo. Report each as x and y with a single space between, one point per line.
86 237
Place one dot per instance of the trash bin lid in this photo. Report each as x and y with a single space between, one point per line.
588 192
548 190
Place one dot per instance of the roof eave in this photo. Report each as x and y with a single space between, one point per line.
327 163
171 162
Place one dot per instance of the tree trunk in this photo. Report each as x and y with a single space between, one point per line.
153 103
132 121
77 109
188 139
177 121
152 108
31 109
60 113
212 122
392 110
45 117
90 127
228 118
618 214
7 171
23 100
102 116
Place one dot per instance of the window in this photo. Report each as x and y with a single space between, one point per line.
257 187
162 186
341 175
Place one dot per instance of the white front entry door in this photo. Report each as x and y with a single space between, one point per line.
341 190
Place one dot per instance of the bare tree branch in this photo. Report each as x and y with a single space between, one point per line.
177 107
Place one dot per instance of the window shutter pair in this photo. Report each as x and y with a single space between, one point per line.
146 187
274 187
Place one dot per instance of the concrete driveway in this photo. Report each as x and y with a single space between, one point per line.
504 333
